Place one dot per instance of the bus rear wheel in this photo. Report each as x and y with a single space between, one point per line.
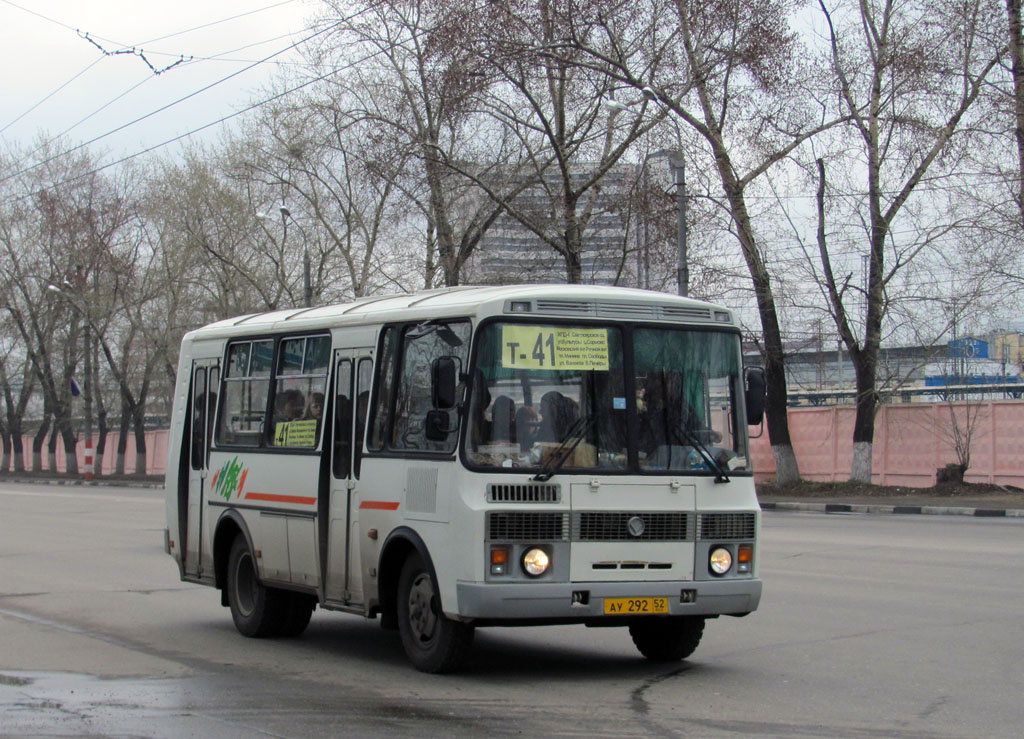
432 642
667 639
258 611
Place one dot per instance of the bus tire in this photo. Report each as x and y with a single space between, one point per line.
667 639
432 642
258 611
298 612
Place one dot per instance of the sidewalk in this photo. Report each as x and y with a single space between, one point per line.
818 506
978 501
111 481
946 499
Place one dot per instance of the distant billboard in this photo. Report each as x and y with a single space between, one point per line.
944 380
968 348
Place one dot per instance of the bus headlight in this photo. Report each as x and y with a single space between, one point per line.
720 561
536 562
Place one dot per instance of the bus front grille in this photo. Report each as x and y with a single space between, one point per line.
727 526
523 493
626 526
527 526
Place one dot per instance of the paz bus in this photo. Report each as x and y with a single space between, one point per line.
471 457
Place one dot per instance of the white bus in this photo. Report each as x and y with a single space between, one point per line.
467 457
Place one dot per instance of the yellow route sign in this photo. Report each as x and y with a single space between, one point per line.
295 433
554 348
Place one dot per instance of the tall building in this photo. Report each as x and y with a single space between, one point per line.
512 252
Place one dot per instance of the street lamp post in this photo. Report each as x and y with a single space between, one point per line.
677 162
307 284
87 382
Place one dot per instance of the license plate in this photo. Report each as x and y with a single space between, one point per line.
634 606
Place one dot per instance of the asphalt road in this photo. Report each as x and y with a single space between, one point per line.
883 626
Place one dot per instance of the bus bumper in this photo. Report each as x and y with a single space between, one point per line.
584 601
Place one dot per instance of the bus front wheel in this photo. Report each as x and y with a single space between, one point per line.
257 610
667 639
432 642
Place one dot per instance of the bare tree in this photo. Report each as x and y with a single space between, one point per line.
339 187
1016 52
207 219
411 78
906 81
729 72
64 212
553 106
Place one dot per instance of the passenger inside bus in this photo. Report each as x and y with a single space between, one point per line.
315 407
557 415
290 404
667 421
503 420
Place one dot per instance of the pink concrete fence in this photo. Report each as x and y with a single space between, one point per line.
156 453
912 442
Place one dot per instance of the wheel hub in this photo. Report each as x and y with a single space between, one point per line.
422 618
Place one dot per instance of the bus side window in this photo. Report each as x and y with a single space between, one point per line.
245 388
343 419
299 386
364 378
199 417
382 402
421 345
211 409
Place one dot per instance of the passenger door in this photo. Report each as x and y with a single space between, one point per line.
353 377
205 379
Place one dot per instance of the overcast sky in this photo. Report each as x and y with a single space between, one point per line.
42 48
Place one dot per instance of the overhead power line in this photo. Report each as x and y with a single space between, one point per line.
161 109
135 50
254 106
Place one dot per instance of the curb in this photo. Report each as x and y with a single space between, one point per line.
71 482
893 509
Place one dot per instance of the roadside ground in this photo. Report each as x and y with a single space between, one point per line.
57 478
771 495
948 494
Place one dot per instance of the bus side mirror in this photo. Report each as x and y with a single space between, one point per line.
754 385
437 425
444 377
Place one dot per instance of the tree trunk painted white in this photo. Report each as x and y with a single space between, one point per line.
140 463
861 469
119 465
787 472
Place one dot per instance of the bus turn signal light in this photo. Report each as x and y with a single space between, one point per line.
745 558
499 561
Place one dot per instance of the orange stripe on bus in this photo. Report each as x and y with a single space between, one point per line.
275 498
379 505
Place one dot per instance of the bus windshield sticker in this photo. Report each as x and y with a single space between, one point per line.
554 348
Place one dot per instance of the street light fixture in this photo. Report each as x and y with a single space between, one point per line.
307 285
87 385
677 162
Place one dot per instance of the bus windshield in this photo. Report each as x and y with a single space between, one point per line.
557 397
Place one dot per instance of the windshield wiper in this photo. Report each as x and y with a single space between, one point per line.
687 436
577 432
